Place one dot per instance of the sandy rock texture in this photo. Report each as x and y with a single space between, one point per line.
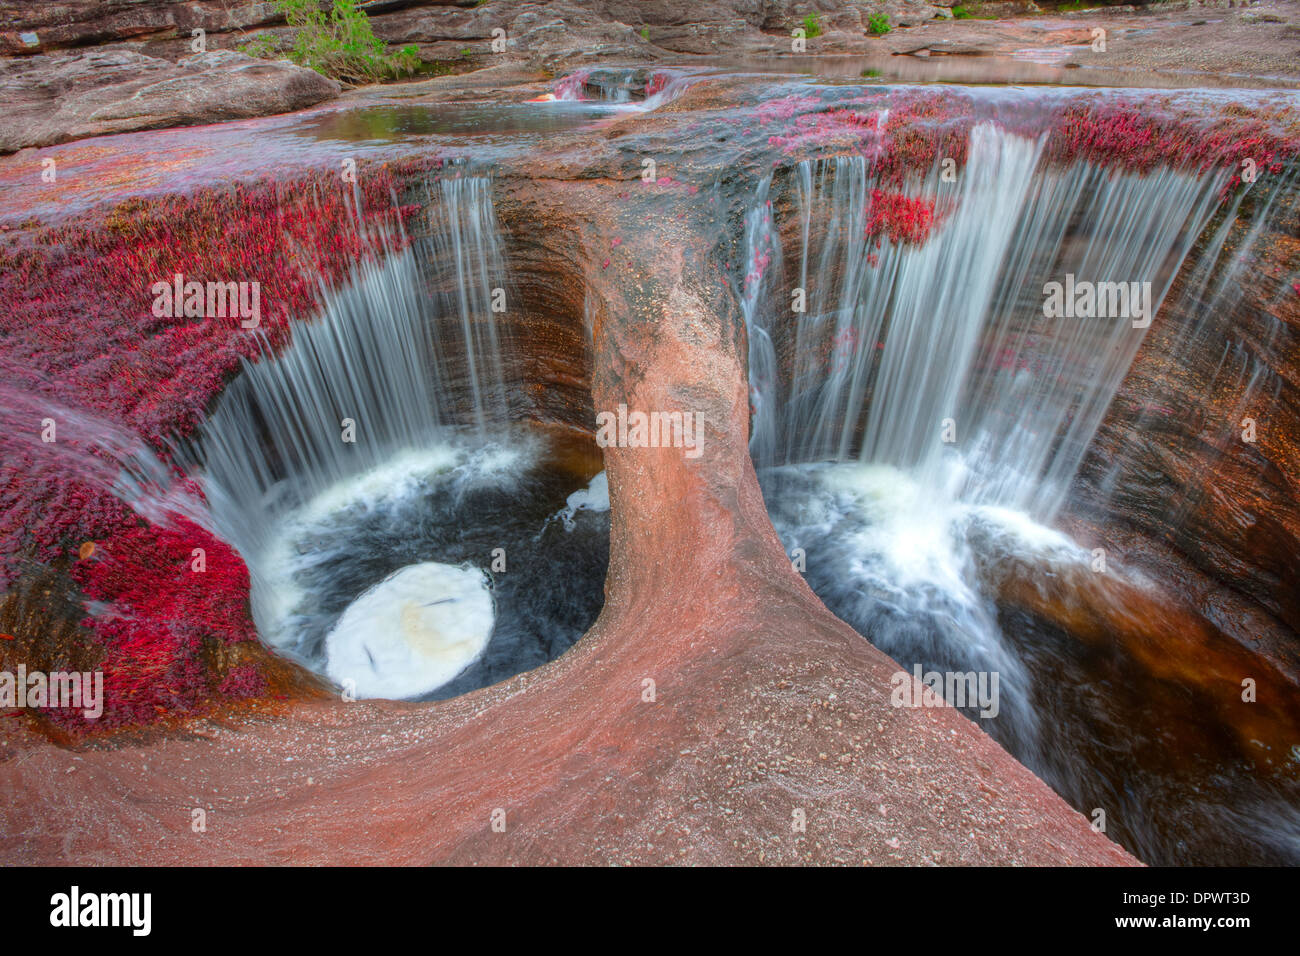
716 713
55 99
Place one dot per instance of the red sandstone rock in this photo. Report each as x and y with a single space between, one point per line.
714 704
763 704
55 99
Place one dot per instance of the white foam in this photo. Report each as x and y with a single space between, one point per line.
908 527
276 595
396 478
595 497
413 632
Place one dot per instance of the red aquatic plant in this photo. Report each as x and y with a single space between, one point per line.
1143 137
905 133
78 331
159 595
571 87
901 219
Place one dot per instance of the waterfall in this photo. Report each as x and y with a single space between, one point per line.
919 425
923 416
937 357
1213 294
465 255
366 397
762 261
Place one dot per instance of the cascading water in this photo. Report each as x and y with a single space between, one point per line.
922 420
630 89
371 479
898 341
467 258
366 380
1217 280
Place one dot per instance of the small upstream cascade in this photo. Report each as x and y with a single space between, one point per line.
918 426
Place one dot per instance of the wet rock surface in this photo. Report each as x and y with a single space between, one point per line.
715 698
56 99
82 69
1212 489
716 712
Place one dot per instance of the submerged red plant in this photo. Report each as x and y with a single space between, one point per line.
165 592
905 219
571 87
1145 137
904 134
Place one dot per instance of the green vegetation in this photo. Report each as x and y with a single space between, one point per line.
812 27
263 46
870 74
645 33
337 42
879 24
973 12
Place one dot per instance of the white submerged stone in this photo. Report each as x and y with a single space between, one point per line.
411 633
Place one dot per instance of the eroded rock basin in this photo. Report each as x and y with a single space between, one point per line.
715 700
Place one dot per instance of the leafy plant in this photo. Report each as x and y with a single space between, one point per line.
961 13
812 26
263 46
645 33
870 73
878 24
337 42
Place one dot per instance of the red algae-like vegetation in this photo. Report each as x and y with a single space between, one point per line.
79 331
903 134
1141 139
901 219
165 611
